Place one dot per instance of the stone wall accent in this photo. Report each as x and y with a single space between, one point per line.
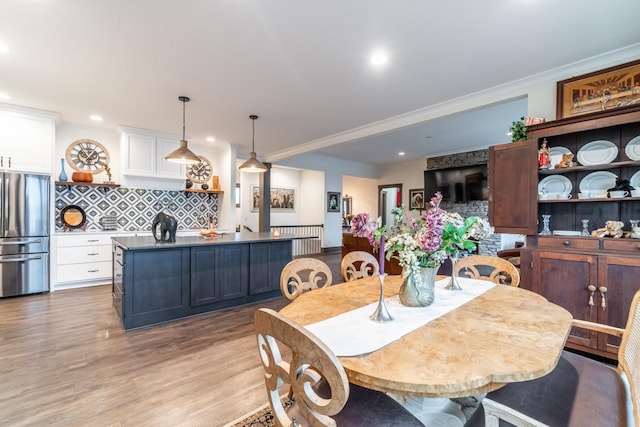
479 208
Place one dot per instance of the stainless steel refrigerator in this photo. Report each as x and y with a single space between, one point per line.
24 233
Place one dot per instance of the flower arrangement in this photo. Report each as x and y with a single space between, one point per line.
424 240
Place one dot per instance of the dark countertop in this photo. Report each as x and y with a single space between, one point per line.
149 242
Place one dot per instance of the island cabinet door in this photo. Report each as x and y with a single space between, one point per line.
218 273
156 286
266 261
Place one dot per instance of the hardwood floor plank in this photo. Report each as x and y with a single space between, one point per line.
66 361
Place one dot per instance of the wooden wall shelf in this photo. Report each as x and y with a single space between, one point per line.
87 184
189 190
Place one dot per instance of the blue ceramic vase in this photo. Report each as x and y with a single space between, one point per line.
63 175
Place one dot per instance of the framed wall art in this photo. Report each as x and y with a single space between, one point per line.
604 90
333 202
281 199
416 198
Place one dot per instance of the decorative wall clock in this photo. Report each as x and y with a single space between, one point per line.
200 172
87 155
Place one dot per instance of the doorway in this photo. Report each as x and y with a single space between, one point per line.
389 197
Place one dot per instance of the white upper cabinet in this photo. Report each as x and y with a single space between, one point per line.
165 167
26 142
143 154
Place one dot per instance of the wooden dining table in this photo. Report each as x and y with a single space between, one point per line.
506 334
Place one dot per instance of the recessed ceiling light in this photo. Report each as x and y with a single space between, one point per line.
96 118
379 58
401 153
4 96
210 139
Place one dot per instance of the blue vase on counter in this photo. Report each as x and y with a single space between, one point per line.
63 175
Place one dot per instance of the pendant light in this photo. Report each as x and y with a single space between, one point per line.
253 164
182 154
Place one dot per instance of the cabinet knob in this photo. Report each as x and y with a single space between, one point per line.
566 243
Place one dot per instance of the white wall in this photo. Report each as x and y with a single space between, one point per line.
410 174
363 193
309 204
67 134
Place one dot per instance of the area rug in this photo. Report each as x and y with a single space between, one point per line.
261 417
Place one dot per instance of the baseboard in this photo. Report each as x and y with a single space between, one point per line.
332 250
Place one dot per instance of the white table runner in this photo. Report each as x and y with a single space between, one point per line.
353 333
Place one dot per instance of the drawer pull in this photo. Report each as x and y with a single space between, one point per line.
92 271
95 253
592 289
603 303
93 240
566 243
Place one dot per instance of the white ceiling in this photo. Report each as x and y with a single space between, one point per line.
302 66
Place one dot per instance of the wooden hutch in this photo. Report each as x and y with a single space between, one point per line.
593 278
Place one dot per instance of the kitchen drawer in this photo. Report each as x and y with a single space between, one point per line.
83 254
84 272
626 245
83 240
560 242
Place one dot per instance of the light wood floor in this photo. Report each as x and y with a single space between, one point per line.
65 361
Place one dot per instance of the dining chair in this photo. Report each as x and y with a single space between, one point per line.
358 265
323 395
304 274
486 267
580 391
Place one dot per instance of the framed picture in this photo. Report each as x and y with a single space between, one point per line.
281 199
416 198
604 90
333 202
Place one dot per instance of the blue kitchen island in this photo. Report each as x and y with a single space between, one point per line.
157 282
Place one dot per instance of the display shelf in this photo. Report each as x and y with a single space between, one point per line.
190 190
604 166
620 199
87 184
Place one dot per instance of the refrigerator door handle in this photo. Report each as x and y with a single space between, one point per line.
21 259
20 242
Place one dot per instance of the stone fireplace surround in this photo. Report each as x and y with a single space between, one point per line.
479 208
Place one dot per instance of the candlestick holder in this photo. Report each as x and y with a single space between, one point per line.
381 314
585 228
453 284
546 231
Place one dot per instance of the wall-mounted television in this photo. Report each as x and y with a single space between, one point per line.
460 184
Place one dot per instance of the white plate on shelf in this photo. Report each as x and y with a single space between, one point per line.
555 184
555 153
566 233
632 150
635 180
598 181
597 153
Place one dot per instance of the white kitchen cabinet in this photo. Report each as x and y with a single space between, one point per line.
26 142
83 259
143 154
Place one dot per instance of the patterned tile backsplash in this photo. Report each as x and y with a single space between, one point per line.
135 208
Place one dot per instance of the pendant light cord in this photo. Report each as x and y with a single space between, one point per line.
183 119
253 118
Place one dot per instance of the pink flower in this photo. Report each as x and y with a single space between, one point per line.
363 226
